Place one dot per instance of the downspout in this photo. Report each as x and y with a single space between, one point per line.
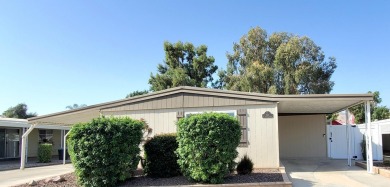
24 137
64 156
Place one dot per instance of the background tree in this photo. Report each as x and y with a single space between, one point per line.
136 93
18 111
75 106
377 112
282 63
184 65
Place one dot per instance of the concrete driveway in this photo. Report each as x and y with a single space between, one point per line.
311 172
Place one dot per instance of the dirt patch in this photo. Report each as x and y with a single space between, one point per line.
258 175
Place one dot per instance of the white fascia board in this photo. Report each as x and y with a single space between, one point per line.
26 125
14 124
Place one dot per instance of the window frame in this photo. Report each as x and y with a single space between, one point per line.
45 135
234 112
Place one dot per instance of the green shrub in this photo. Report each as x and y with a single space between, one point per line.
105 150
160 157
245 166
207 146
363 147
44 152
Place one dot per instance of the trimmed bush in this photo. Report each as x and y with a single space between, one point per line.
160 157
44 152
105 150
245 166
363 146
207 146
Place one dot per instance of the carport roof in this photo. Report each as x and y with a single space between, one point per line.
287 104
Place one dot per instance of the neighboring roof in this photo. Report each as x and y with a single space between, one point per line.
23 123
287 104
334 122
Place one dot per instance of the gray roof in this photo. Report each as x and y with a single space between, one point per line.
287 104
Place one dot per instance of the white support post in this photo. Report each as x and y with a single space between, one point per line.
348 131
64 153
368 138
24 137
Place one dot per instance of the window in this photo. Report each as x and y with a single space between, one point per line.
241 115
229 112
45 136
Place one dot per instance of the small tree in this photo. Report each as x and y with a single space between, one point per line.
207 146
105 150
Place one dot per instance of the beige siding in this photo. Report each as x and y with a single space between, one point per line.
33 139
56 142
33 142
301 136
262 147
161 121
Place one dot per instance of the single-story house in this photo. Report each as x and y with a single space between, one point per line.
273 126
11 131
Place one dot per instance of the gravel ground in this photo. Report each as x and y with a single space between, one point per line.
70 181
268 175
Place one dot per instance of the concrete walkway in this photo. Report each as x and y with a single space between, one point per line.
330 173
17 177
32 162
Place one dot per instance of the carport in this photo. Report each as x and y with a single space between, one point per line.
302 125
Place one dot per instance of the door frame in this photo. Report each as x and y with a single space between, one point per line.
6 156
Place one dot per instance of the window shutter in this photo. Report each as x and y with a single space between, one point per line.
242 118
180 114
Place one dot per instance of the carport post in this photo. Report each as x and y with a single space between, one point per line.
24 137
368 137
348 137
64 156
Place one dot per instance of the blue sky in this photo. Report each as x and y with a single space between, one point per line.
56 53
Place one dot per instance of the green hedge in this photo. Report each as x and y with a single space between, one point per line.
160 157
207 146
44 152
105 150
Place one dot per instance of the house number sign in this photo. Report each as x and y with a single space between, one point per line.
268 114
